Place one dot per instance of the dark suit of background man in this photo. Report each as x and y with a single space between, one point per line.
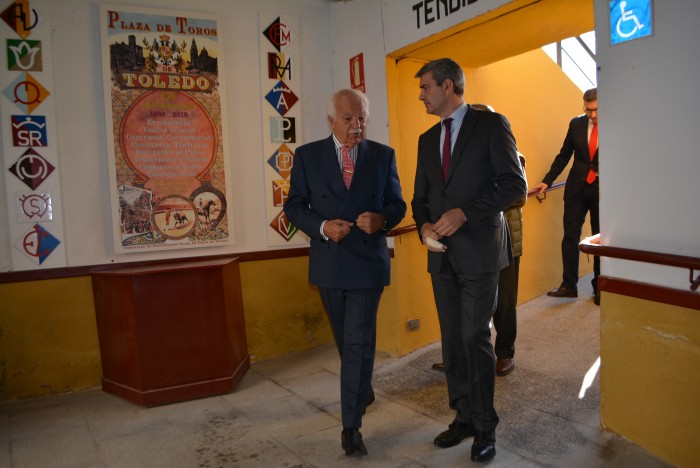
349 259
463 210
580 193
505 319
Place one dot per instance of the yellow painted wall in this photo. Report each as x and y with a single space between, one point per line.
283 313
48 334
407 120
48 338
539 100
650 387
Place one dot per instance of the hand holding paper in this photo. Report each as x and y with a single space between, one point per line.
435 245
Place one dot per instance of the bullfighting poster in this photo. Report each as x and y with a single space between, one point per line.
164 110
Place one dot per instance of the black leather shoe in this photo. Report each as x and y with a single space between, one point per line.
439 366
562 291
370 400
352 442
455 433
484 446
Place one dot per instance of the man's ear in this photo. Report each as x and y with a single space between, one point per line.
448 84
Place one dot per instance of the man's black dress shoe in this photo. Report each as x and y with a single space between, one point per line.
455 433
352 442
563 291
484 446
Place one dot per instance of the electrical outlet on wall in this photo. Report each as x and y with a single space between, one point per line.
412 325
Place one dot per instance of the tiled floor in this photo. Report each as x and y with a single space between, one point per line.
285 413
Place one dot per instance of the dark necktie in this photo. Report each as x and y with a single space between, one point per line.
592 147
446 148
348 166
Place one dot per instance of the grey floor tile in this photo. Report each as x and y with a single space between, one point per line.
291 367
117 420
321 389
386 419
289 416
157 446
44 419
323 449
253 389
72 447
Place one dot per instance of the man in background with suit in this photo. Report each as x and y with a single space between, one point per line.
345 195
467 173
580 193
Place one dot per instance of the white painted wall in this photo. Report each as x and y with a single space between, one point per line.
650 141
81 129
357 25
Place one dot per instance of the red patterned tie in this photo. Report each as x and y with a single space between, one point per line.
592 147
348 166
446 148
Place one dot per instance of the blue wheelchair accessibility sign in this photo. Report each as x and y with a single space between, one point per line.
630 19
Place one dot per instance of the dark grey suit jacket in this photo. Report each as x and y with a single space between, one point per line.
484 179
576 144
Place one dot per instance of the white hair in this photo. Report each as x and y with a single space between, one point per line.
330 105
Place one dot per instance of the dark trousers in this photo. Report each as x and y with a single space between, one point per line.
575 209
504 320
465 306
353 317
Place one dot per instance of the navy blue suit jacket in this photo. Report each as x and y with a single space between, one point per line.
484 178
576 144
317 193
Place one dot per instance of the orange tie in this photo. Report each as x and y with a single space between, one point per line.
592 147
348 166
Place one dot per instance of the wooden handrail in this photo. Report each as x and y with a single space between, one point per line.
591 245
401 230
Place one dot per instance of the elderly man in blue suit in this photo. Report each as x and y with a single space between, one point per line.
345 195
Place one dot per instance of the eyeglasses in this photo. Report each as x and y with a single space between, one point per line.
590 111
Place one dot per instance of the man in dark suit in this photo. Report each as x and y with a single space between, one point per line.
580 193
468 172
345 195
